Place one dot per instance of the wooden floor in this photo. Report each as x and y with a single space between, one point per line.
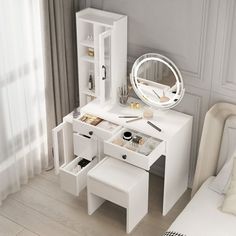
41 208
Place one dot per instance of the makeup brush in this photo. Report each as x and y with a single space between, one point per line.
156 93
154 126
139 118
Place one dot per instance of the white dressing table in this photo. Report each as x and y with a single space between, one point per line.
175 145
176 136
76 141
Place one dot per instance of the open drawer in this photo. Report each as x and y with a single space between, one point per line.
142 154
90 125
73 181
85 146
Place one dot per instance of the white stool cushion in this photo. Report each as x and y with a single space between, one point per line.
117 174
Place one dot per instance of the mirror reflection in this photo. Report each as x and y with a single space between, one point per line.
157 81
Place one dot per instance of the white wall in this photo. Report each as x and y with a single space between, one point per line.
198 35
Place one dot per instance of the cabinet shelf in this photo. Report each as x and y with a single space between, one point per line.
87 59
89 92
87 43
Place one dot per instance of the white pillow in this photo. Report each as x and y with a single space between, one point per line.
229 204
222 181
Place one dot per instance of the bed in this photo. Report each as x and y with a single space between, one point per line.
202 216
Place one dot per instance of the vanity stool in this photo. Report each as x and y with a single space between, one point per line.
122 184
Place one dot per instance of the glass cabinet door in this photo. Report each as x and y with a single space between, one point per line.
105 66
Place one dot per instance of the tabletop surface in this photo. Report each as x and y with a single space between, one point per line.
169 121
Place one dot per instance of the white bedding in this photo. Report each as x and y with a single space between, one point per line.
201 217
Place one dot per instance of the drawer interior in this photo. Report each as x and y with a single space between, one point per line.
73 178
99 122
74 168
139 143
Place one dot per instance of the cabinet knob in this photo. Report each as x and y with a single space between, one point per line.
90 132
124 156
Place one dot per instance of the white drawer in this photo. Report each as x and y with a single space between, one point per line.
84 146
99 130
135 157
71 182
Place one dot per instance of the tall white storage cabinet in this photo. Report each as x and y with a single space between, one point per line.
105 34
102 54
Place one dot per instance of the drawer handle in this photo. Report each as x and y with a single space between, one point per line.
105 72
90 132
124 156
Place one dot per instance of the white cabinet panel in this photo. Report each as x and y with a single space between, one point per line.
62 139
85 146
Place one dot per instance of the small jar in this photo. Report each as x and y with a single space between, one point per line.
137 105
91 52
148 113
127 136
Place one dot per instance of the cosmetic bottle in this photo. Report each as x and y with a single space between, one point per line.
90 82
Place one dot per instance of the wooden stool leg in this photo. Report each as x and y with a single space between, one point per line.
138 205
94 202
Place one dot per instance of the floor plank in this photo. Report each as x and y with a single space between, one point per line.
26 232
33 220
50 175
8 227
52 189
42 208
75 219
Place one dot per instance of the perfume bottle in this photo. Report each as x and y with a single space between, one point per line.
90 82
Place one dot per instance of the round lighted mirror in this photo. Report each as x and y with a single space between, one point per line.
157 81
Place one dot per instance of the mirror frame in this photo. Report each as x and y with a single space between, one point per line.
179 80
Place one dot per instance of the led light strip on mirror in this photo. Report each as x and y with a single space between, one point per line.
168 102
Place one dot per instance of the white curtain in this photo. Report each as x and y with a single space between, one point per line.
23 142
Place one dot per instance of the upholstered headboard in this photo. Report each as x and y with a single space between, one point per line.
228 143
215 150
